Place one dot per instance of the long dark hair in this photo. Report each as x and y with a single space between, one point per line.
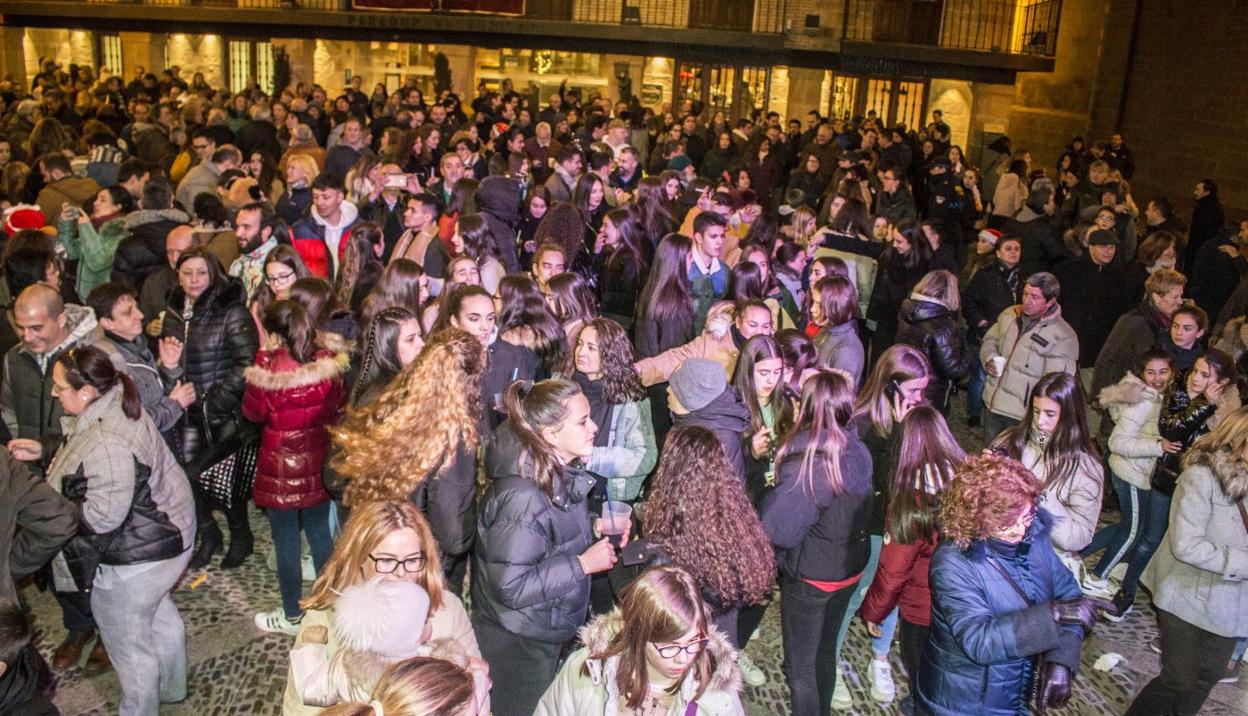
667 294
925 463
478 241
287 320
399 286
760 348
1071 442
360 263
827 407
524 308
531 407
88 365
379 341
745 283
629 249
920 254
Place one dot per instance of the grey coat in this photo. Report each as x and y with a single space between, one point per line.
630 452
840 347
1200 572
141 366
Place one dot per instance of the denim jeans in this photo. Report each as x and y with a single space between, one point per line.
1154 518
975 388
1119 540
809 619
1192 661
286 525
882 643
143 632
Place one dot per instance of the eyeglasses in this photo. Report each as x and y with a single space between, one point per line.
389 565
279 278
671 650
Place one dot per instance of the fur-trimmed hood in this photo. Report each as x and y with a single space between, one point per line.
597 634
140 217
1127 392
278 370
1231 472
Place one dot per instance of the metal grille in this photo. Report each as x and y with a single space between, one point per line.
110 46
1026 27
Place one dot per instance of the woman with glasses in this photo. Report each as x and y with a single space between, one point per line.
1007 616
282 267
657 654
384 541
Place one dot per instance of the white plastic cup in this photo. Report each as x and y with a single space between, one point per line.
999 362
615 519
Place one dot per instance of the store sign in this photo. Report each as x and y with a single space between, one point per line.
490 7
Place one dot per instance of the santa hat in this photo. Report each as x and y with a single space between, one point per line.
385 617
23 216
992 236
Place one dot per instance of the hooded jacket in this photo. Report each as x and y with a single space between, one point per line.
308 237
527 577
1200 572
978 658
142 252
498 201
93 249
294 402
726 416
587 686
933 329
1047 346
1135 443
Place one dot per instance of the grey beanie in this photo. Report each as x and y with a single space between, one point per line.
697 382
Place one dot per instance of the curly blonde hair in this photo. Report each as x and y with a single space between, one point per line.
416 425
987 495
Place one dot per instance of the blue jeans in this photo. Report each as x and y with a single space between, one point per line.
975 388
882 643
286 525
1119 540
1154 519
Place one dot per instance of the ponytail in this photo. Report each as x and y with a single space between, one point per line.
289 321
88 365
531 407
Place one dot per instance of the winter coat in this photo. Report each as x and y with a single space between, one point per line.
72 190
1200 572
505 362
896 207
35 522
308 237
294 204
294 402
893 284
93 249
630 453
140 365
498 201
1135 443
978 658
142 253
820 535
717 342
618 285
986 295
653 336
840 347
134 501
1214 274
933 329
1134 332
1040 239
219 344
1186 418
448 623
1208 222
447 499
1073 507
527 577
902 581
1093 298
728 418
1048 346
200 179
1009 196
587 686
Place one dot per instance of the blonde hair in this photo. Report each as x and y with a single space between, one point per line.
803 224
369 524
416 425
420 686
1230 438
941 287
305 163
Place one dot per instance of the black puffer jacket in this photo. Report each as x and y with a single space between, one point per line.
219 343
933 329
986 296
142 252
526 575
446 498
1183 419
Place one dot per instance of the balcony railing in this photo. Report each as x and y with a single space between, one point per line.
1026 27
757 16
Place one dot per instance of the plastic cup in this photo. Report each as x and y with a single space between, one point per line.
615 519
999 362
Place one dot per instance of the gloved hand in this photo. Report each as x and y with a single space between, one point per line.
1055 682
1081 611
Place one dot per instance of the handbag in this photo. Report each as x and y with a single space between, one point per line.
1163 479
225 472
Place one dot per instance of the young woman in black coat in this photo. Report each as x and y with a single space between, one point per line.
900 268
929 322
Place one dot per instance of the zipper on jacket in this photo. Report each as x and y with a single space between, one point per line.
1001 378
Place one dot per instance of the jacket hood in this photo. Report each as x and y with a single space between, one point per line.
726 412
80 324
719 319
221 296
597 634
349 214
1129 391
501 197
1232 473
278 370
150 216
914 310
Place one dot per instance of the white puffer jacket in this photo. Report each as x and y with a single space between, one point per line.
1135 444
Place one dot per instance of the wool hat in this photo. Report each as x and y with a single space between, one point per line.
992 236
23 216
385 617
941 160
698 381
1103 237
679 163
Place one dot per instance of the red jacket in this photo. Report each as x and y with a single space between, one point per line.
902 577
307 236
294 402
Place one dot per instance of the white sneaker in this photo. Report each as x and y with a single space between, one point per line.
1093 587
842 700
275 622
883 690
309 570
751 674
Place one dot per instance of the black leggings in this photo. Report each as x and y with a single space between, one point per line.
913 641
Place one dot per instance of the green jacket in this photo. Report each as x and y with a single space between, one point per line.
93 250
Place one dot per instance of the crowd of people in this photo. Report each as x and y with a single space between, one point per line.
551 401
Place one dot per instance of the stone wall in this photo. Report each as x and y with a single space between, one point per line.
197 53
64 46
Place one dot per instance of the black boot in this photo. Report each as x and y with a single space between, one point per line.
241 541
210 540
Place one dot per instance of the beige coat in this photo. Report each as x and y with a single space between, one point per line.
1050 346
715 343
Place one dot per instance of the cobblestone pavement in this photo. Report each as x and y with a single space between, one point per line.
237 670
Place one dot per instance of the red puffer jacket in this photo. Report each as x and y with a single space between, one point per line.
295 402
902 576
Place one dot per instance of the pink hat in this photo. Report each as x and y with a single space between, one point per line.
992 236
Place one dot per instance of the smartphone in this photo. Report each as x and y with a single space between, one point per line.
396 181
892 390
